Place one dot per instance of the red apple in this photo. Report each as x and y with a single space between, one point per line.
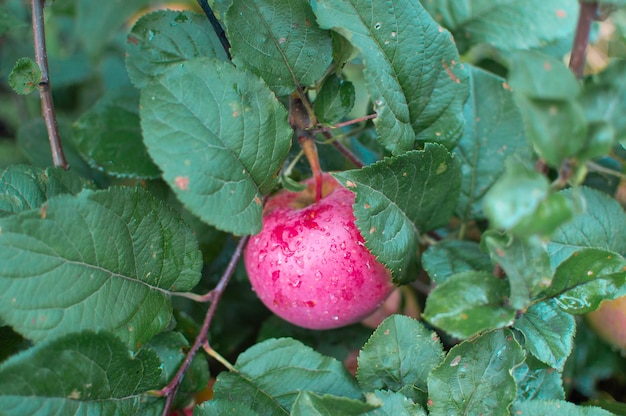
309 264
609 321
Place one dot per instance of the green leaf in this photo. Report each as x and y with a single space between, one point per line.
479 304
109 260
25 76
476 376
223 407
535 380
399 197
32 139
601 225
398 357
25 187
271 374
334 100
525 262
218 134
493 131
604 97
540 77
97 21
310 404
521 202
393 404
108 136
561 407
557 129
450 257
79 373
549 333
171 348
281 42
588 277
505 24
412 69
166 37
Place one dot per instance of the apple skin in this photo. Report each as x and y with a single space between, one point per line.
609 321
309 264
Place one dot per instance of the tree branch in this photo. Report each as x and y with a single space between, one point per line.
47 105
588 13
217 27
216 294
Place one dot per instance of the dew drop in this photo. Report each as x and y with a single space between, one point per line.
378 25
318 275
296 283
342 245
335 318
333 248
333 298
394 34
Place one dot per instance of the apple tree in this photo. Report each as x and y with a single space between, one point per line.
480 144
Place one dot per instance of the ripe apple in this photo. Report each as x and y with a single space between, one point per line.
609 321
309 264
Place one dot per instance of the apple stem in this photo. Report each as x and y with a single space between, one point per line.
310 151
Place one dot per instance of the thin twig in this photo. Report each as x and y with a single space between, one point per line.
217 27
216 294
588 13
47 105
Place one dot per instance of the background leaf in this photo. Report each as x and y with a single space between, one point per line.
108 136
311 404
334 100
479 304
475 377
218 134
450 257
25 187
397 198
223 407
535 380
166 37
549 333
78 373
398 357
505 24
493 131
171 348
537 407
393 404
271 374
600 225
407 58
525 262
109 260
32 140
604 97
279 41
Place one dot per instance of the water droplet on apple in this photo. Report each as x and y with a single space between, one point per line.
342 245
333 248
333 298
299 261
346 255
262 256
296 283
318 275
335 318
